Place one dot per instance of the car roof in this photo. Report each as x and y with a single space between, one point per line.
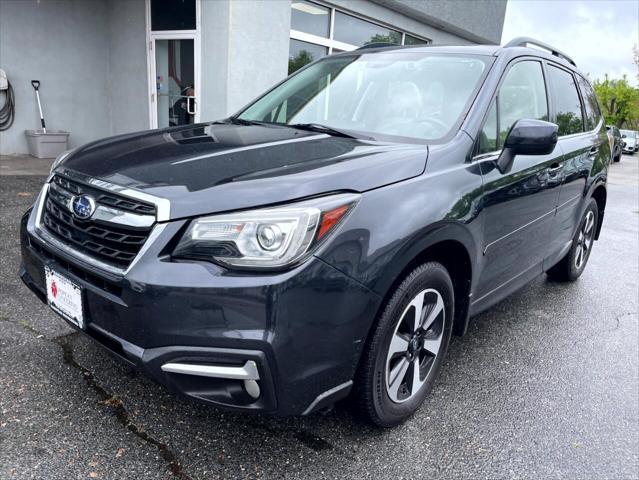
515 48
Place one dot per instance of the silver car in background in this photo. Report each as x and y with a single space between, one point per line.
630 140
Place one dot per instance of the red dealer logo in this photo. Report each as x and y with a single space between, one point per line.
54 289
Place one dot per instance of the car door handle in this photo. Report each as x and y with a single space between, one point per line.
554 169
594 151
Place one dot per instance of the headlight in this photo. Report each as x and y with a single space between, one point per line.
59 159
265 238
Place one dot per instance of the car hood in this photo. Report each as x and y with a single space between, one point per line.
216 167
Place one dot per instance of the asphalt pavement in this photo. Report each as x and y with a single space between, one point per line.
544 385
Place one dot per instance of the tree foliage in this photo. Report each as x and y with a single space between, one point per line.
302 58
620 102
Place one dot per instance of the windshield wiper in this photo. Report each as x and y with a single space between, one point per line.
318 127
242 121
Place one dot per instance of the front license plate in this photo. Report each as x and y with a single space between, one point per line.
64 296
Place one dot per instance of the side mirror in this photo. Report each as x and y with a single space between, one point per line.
623 135
527 137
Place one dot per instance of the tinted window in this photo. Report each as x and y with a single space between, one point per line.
590 103
488 136
567 103
310 18
410 40
521 95
172 14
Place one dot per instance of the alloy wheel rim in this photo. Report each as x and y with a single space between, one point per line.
585 239
415 345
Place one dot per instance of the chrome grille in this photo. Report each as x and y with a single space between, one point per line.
104 198
111 242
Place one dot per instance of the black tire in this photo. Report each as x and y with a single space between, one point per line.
569 268
617 158
372 397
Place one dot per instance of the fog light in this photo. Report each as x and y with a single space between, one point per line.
252 388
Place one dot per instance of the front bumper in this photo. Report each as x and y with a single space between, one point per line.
302 330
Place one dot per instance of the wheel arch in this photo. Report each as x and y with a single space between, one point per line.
600 194
448 243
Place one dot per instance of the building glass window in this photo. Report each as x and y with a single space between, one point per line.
310 18
172 15
302 53
318 30
355 31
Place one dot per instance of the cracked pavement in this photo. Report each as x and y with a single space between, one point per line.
545 385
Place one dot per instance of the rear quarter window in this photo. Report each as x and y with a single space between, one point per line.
591 105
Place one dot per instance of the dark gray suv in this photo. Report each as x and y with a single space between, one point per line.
331 237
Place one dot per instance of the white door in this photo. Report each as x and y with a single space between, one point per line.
174 73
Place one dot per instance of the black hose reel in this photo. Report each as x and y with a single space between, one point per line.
8 109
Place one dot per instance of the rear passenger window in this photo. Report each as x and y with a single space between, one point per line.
567 103
590 103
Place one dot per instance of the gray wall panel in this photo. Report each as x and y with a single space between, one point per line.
64 44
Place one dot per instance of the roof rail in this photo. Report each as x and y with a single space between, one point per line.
525 41
379 45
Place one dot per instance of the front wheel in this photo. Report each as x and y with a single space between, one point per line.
407 347
573 264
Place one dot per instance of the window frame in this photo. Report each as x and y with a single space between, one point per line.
495 97
331 44
553 114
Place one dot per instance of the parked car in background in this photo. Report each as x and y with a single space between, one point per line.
329 238
631 141
616 142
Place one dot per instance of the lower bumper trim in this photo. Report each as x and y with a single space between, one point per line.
247 372
329 397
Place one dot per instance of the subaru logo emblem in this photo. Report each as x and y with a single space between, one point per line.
82 206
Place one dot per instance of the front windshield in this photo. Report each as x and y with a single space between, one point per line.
406 94
629 133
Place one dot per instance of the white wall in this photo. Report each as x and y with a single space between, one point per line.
258 48
90 57
215 21
64 44
244 52
128 90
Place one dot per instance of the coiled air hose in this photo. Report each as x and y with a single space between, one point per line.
8 110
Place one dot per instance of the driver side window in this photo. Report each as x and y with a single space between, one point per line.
521 95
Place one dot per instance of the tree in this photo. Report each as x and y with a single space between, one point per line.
620 102
297 62
392 37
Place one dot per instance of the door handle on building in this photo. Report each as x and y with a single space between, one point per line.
191 105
